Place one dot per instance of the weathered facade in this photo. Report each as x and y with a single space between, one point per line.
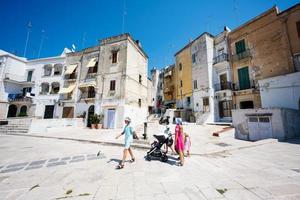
202 78
154 97
259 49
222 80
169 87
183 74
122 81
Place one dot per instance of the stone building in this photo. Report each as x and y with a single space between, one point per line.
122 81
155 96
260 49
169 89
222 80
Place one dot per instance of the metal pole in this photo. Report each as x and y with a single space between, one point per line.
27 38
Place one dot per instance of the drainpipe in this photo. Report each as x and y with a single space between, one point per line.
289 41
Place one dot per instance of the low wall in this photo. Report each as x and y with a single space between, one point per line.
285 122
43 125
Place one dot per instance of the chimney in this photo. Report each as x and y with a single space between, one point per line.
138 43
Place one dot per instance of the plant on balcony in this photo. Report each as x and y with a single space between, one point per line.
22 114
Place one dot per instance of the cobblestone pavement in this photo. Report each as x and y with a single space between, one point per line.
38 168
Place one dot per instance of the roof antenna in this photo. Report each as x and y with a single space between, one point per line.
29 26
124 13
235 10
41 43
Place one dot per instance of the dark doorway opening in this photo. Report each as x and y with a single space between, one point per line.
91 111
49 110
246 105
12 111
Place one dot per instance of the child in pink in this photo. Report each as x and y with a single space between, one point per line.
179 143
187 144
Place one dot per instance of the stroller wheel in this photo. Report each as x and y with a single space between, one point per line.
164 158
148 157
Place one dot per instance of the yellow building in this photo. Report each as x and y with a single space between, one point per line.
169 82
183 73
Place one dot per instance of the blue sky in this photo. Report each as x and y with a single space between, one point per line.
163 26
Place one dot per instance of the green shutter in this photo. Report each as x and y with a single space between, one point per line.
240 46
244 80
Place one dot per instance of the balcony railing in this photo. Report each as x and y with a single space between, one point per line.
68 96
237 87
87 95
242 55
18 78
71 76
223 86
91 75
18 97
221 58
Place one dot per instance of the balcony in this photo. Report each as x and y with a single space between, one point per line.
19 79
71 77
223 86
66 97
221 58
237 87
18 98
88 95
91 76
169 89
242 55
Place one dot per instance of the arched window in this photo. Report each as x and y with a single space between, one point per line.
44 88
12 111
23 111
58 69
47 70
55 88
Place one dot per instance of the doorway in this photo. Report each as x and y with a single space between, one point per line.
111 118
49 110
91 111
12 111
68 112
225 108
223 81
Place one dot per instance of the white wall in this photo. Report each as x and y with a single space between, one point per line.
281 91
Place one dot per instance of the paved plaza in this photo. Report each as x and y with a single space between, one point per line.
45 168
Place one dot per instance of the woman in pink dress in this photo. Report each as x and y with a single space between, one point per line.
179 144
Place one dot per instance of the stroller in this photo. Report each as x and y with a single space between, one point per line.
156 152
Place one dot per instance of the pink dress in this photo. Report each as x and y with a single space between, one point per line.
179 143
187 144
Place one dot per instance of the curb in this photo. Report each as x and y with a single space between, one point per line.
138 146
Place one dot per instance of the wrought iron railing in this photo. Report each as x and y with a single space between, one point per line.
221 58
223 86
242 55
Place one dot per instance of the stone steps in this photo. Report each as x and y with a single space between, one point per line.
16 125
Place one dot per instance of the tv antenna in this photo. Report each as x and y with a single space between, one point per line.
124 13
41 43
29 26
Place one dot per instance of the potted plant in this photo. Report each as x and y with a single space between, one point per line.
94 121
100 122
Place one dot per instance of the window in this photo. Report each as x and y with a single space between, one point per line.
93 69
220 51
112 85
29 76
181 83
205 104
114 56
47 70
140 78
298 28
195 84
297 62
180 66
244 80
246 105
188 99
58 69
44 88
140 102
240 46
194 57
153 99
55 88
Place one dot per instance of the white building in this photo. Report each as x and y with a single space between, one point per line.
156 93
202 49
222 81
30 87
281 91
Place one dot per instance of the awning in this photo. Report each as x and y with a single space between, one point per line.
66 90
70 69
91 83
92 62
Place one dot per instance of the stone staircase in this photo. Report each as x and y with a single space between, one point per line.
15 125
